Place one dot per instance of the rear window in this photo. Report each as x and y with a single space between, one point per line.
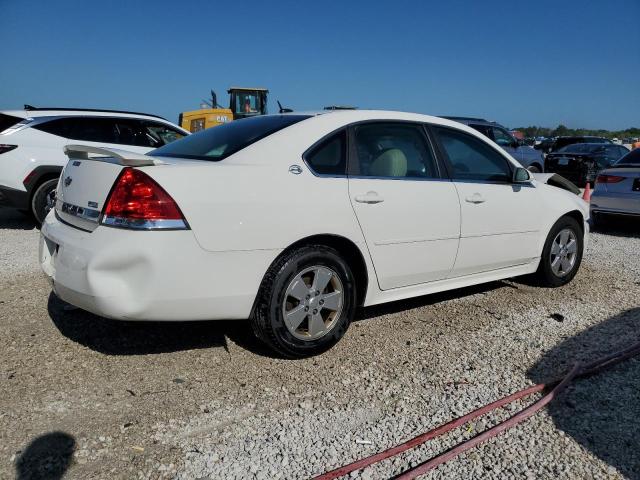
630 159
581 148
217 143
7 121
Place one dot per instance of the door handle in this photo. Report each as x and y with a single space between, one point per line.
369 197
475 198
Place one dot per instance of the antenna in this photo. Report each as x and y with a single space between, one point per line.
282 109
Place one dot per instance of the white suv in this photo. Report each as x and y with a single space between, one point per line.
32 143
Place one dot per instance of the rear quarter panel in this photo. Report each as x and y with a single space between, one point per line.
251 201
35 148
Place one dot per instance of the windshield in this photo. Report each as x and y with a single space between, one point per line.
247 102
216 143
580 148
630 159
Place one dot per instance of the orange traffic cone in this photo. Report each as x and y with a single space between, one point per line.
586 196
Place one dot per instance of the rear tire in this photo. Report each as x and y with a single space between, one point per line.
561 255
316 319
39 200
534 169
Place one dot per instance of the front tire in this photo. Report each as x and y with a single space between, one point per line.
306 302
39 201
562 254
534 169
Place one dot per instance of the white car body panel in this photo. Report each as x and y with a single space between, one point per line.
500 226
246 210
413 241
132 275
38 148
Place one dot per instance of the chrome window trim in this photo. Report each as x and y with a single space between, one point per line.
405 179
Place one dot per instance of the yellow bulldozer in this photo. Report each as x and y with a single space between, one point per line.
243 102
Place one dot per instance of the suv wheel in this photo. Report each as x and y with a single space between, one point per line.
306 302
41 201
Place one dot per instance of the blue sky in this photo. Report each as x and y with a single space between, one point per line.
520 63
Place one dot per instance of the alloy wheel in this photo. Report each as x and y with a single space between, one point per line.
313 302
564 251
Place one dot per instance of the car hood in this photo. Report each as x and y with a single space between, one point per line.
558 181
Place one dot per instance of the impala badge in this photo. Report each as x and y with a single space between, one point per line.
67 181
295 169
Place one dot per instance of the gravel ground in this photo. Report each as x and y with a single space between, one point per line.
101 399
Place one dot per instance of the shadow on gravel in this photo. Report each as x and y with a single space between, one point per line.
113 337
628 227
426 300
602 412
46 458
12 219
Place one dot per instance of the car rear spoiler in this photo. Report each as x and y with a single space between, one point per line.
557 181
111 155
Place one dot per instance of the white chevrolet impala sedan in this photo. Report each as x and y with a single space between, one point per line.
293 221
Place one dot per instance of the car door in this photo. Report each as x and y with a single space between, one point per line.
409 214
500 220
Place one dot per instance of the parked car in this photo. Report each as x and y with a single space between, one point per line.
528 157
31 143
581 162
545 145
617 189
561 142
294 220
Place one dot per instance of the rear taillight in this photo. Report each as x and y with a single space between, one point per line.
609 179
4 148
137 201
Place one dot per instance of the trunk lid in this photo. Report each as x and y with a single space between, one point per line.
630 184
87 179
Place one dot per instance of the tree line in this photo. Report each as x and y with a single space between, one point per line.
562 130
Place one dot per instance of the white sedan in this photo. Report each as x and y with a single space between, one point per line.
295 220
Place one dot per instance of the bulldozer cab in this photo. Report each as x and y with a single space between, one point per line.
247 102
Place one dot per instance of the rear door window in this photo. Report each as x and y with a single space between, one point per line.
472 159
394 150
59 126
102 130
160 132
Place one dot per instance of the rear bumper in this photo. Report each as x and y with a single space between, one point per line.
616 203
13 198
149 275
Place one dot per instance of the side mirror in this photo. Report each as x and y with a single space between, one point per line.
521 175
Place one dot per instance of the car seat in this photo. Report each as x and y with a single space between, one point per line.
389 163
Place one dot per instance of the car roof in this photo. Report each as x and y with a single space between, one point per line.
473 120
345 117
33 112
